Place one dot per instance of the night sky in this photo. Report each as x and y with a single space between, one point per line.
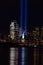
9 10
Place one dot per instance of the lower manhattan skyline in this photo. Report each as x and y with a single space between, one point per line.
21 32
10 10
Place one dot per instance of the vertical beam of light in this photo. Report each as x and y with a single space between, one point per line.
21 16
12 56
26 12
23 53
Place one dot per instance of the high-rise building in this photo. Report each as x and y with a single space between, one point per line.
14 30
37 32
42 33
41 36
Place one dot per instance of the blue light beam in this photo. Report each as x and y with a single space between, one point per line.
26 14
21 16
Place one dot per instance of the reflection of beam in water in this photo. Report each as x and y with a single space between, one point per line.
23 53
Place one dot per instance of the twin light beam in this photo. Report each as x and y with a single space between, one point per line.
23 16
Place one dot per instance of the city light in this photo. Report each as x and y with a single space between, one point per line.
12 56
34 38
23 35
23 38
12 30
23 56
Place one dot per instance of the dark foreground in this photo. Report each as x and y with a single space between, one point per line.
29 54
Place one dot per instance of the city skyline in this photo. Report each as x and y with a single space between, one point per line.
9 10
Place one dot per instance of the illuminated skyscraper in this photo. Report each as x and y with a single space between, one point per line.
14 30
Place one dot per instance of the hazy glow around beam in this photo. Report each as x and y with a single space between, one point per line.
26 12
21 16
23 35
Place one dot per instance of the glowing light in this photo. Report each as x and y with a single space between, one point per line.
12 26
21 16
12 56
23 35
23 38
12 30
12 35
26 12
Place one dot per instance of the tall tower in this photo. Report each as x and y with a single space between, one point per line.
23 16
14 30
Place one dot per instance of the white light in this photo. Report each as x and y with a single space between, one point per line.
12 24
12 30
23 35
12 35
12 56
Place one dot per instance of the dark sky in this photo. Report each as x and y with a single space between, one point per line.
9 10
36 13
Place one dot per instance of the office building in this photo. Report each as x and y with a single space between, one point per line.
14 30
